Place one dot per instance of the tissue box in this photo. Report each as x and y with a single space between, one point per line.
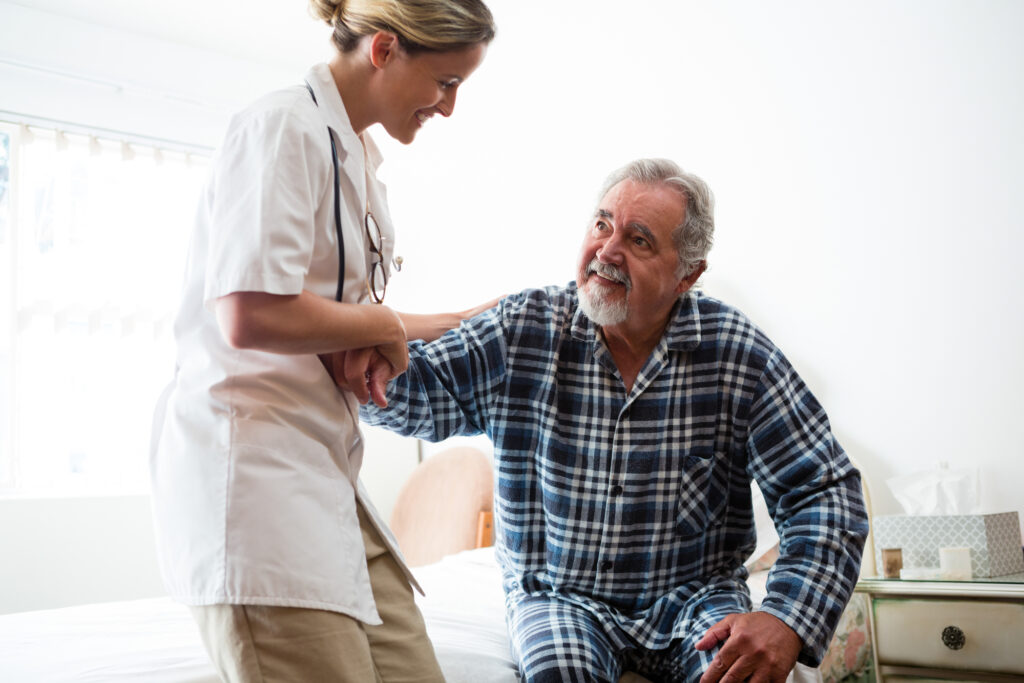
994 540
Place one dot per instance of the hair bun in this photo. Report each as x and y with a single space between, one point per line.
326 10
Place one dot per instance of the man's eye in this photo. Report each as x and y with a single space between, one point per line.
601 226
641 242
447 85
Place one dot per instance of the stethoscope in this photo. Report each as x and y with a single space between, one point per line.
337 205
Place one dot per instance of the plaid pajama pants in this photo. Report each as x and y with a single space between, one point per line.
554 641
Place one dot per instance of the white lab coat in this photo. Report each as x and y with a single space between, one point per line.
256 455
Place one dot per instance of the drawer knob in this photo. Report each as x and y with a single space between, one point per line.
953 637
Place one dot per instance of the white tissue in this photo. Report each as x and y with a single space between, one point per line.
941 491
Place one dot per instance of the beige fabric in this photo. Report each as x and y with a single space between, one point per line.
269 644
438 509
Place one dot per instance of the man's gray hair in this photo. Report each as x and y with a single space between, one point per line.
693 237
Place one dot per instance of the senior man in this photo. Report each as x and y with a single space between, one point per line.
629 414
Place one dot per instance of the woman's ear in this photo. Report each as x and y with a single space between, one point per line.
383 48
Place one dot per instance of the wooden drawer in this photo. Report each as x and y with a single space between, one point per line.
910 632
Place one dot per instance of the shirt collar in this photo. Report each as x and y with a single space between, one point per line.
682 333
332 109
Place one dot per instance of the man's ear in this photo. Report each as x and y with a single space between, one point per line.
383 48
692 278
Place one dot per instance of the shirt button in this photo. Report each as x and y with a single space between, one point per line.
616 490
606 565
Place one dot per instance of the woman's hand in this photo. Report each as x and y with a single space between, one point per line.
366 372
476 310
429 327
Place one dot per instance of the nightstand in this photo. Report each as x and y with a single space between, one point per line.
947 630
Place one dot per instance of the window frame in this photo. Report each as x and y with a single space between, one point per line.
13 481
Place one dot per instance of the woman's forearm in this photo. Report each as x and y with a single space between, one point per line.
304 323
429 327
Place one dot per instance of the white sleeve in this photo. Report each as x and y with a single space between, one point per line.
267 181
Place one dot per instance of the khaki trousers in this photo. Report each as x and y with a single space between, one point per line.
267 644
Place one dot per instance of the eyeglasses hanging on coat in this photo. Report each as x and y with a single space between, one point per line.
377 279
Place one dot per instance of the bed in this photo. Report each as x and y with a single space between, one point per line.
155 640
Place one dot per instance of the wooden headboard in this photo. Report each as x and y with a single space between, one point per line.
445 506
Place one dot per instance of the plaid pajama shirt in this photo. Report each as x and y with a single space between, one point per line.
636 506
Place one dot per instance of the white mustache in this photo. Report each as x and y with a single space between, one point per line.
609 271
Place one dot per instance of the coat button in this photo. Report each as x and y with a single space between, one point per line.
606 565
616 490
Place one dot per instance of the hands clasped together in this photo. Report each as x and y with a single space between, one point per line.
366 372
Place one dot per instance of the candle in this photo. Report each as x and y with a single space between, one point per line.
892 562
955 563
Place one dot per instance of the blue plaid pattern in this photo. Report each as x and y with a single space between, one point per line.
556 641
637 506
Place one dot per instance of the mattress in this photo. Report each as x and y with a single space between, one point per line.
156 641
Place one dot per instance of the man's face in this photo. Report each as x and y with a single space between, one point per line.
628 261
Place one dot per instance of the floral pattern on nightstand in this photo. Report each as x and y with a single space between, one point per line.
849 653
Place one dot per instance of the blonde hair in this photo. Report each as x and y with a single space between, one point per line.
421 25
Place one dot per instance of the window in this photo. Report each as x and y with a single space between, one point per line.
93 237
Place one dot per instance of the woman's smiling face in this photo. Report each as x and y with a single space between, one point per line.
423 84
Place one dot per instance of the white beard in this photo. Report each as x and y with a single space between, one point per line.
596 305
600 309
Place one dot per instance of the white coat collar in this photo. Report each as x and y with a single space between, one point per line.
332 109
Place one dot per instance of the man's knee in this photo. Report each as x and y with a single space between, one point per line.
556 642
555 662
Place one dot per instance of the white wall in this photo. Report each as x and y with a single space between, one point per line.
71 551
866 159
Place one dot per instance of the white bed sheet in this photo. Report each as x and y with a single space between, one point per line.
464 608
117 642
156 641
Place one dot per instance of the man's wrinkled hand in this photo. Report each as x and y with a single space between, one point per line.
758 647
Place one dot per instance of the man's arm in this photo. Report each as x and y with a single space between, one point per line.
816 502
814 495
450 384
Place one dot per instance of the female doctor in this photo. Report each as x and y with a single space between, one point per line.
263 528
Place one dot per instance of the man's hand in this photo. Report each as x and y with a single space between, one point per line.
366 372
758 647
